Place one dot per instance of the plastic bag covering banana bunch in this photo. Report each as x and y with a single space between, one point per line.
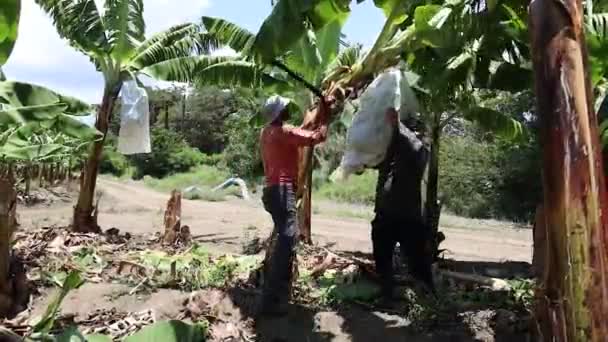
370 133
134 135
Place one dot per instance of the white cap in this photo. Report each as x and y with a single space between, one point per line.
274 106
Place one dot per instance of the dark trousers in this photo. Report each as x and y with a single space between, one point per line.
412 235
280 202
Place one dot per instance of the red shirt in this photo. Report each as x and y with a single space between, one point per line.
280 152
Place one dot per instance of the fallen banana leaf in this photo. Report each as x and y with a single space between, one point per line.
44 326
169 331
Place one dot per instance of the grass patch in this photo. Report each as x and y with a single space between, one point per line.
355 214
356 189
335 209
204 176
363 212
448 220
205 194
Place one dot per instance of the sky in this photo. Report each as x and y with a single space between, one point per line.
42 57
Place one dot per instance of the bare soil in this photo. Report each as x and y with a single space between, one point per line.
226 226
487 247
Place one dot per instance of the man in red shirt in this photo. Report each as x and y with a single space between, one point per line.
280 144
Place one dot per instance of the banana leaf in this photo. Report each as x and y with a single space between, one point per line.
19 94
9 26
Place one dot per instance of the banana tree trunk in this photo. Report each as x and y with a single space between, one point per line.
8 222
45 173
183 128
305 190
85 213
166 115
574 282
53 174
27 176
314 118
432 210
41 176
305 180
155 113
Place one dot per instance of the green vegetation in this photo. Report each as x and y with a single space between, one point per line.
484 178
331 288
202 176
194 269
356 189
170 154
468 176
241 155
114 162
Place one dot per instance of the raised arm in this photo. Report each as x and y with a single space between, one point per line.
304 137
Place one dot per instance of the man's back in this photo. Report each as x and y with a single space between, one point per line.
280 151
398 192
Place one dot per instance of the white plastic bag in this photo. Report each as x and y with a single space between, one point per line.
134 135
370 133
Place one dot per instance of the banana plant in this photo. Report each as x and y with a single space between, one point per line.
35 148
458 48
26 112
9 21
115 42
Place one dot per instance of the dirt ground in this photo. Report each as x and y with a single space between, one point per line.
225 227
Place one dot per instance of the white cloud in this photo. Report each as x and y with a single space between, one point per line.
162 14
41 56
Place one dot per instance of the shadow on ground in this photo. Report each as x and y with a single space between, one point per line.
348 323
361 322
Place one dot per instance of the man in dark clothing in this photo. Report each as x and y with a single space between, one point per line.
398 207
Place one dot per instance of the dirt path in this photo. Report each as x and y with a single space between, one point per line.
225 226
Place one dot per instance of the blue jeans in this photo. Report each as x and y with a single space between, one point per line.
280 202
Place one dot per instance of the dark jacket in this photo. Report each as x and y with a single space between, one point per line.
399 187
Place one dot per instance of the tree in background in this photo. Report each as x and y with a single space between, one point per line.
209 110
163 103
38 127
171 154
